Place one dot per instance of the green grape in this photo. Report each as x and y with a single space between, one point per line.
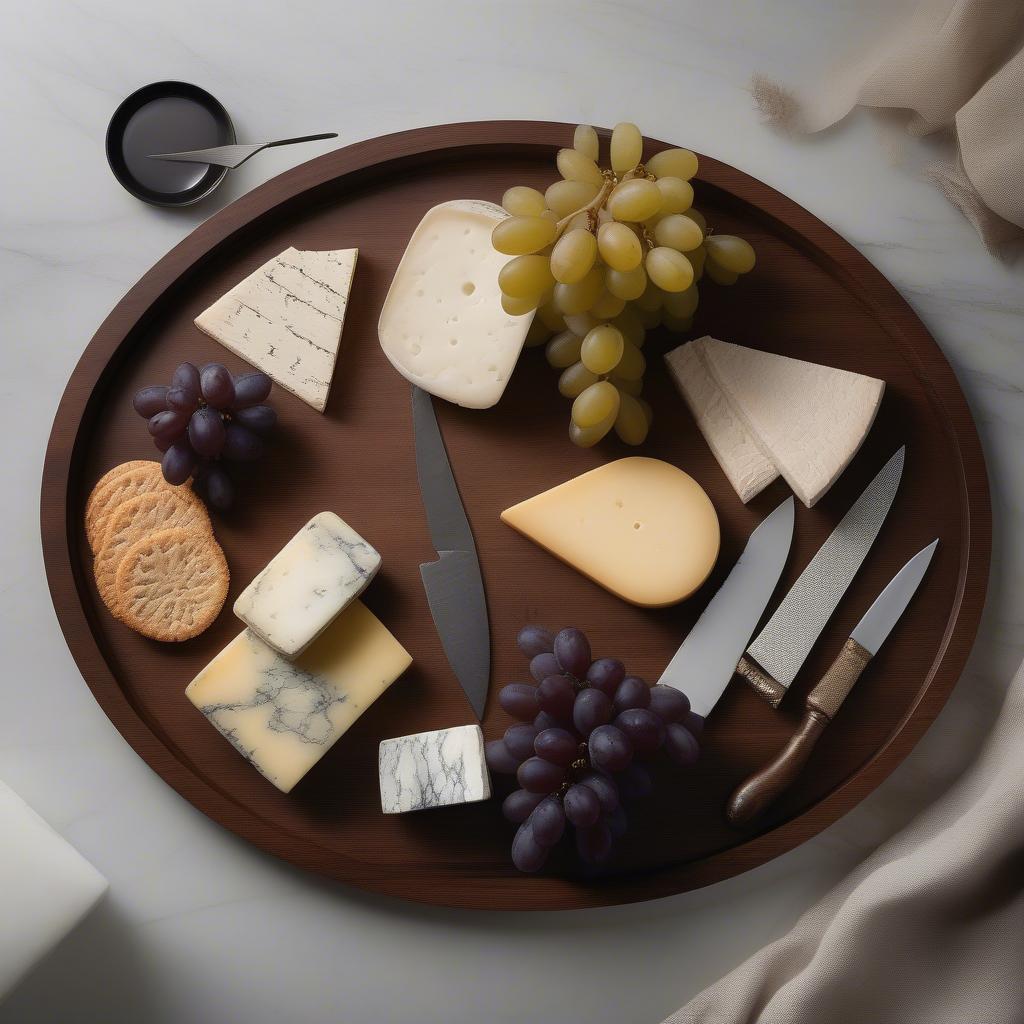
626 284
575 380
673 163
678 232
573 256
579 297
676 195
579 323
682 304
669 269
580 221
719 274
652 298
634 200
677 324
585 141
525 276
587 437
648 411
731 253
602 349
549 215
597 403
565 197
697 217
523 201
628 387
697 258
629 324
537 334
619 246
518 307
631 422
607 306
551 317
627 147
632 364
519 236
574 166
563 350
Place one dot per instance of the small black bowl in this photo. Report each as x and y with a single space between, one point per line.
167 117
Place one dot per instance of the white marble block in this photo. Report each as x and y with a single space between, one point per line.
433 769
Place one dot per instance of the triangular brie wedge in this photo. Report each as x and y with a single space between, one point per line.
809 420
638 527
286 319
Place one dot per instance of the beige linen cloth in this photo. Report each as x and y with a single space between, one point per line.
958 65
928 930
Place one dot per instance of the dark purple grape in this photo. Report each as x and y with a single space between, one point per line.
604 788
527 854
241 445
184 399
168 424
572 649
149 401
539 776
544 665
605 674
694 722
633 692
178 463
519 740
499 758
610 748
543 721
519 805
519 700
163 443
206 432
251 389
216 385
556 696
591 709
635 782
260 419
548 821
534 640
220 491
644 728
558 746
617 823
669 703
594 844
681 745
186 376
581 805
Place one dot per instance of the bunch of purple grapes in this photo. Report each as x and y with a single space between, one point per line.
204 418
586 736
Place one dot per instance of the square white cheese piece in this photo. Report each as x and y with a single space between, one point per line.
307 584
283 716
442 324
433 769
286 319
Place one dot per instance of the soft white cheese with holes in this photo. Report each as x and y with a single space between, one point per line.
442 325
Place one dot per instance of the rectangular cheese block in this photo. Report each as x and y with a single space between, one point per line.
442 324
286 319
433 769
311 580
283 716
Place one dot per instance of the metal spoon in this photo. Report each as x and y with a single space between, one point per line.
233 156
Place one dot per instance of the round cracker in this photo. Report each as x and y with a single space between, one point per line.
173 584
144 479
112 474
137 518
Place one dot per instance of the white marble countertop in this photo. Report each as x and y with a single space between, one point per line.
200 927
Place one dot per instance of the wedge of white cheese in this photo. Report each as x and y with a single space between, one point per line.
286 319
442 324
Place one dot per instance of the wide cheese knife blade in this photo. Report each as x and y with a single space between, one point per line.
706 661
453 584
754 795
776 654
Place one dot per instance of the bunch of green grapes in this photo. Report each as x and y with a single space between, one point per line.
604 255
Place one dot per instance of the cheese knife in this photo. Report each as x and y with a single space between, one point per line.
773 659
453 584
235 154
754 795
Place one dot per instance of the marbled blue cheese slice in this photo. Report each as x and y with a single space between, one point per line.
433 769
307 584
286 319
283 716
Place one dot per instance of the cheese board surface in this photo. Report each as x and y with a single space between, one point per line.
812 296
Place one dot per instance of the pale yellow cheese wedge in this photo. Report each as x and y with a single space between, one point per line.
639 527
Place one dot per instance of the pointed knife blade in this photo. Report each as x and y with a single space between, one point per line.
706 661
454 584
781 647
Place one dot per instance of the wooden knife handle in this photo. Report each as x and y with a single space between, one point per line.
754 795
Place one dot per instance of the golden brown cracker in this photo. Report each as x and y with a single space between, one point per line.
105 499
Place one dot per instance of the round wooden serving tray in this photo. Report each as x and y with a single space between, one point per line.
811 296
